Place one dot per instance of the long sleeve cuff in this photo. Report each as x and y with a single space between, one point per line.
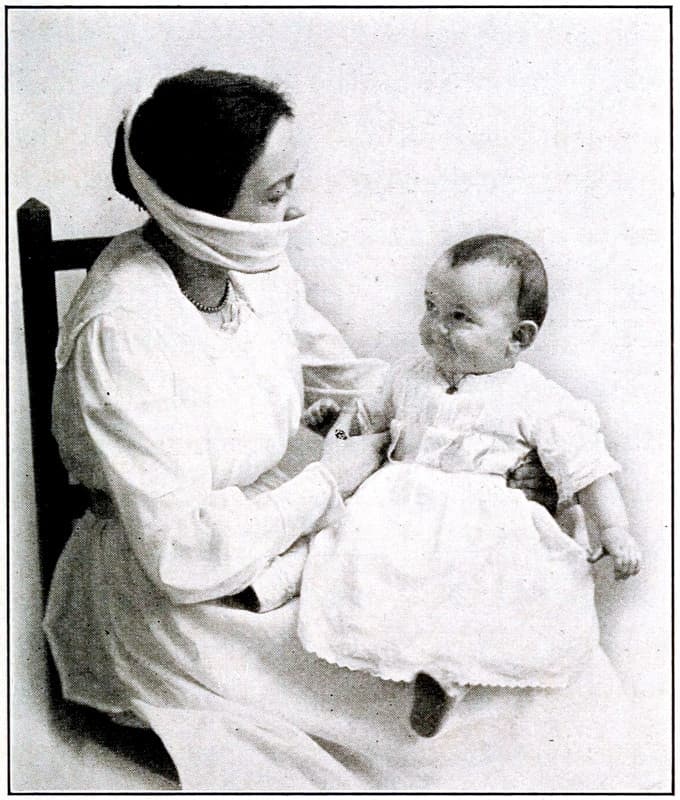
280 581
310 501
238 537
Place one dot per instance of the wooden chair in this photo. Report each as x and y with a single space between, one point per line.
40 259
58 502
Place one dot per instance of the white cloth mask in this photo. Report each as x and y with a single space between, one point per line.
228 243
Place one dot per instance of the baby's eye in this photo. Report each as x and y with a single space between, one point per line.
429 305
461 316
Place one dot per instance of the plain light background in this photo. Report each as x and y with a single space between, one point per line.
417 128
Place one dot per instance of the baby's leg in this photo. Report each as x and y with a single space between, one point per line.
430 704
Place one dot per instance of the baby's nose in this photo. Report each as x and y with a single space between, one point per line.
442 328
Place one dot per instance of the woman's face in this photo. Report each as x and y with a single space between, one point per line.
265 194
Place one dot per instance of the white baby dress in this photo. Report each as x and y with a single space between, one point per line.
437 566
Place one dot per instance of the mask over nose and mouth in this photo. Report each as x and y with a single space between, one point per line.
231 244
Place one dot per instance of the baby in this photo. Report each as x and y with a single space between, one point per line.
438 571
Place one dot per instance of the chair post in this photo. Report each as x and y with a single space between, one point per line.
41 328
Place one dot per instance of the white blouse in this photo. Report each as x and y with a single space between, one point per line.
174 419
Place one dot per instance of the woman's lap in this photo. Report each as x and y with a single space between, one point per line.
241 706
288 719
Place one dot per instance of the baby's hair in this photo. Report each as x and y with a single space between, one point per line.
532 295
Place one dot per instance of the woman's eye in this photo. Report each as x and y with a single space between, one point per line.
280 190
429 305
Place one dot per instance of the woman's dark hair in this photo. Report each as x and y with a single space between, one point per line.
198 135
532 297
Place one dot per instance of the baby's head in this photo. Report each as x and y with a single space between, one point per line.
485 300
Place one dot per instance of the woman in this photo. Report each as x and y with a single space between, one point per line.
182 367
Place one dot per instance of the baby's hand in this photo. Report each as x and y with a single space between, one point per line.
321 415
620 545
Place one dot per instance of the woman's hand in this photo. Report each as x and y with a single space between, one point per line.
534 481
351 459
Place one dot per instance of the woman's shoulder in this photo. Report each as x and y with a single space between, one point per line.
127 256
129 280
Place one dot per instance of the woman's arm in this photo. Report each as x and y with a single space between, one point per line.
531 478
330 368
195 542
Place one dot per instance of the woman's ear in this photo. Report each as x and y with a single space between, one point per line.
523 335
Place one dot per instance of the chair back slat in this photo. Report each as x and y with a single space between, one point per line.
40 258
69 254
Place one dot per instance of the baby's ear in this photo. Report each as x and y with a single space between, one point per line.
524 334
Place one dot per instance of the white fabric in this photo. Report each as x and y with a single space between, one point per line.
281 580
438 566
176 421
228 243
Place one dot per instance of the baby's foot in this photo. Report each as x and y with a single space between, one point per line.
321 415
430 704
620 545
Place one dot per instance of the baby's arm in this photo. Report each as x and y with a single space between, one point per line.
603 505
321 415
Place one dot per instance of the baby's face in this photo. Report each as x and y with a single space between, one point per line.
470 316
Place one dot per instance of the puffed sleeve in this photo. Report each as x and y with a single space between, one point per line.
330 369
566 433
194 542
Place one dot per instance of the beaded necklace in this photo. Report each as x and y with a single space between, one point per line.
205 308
